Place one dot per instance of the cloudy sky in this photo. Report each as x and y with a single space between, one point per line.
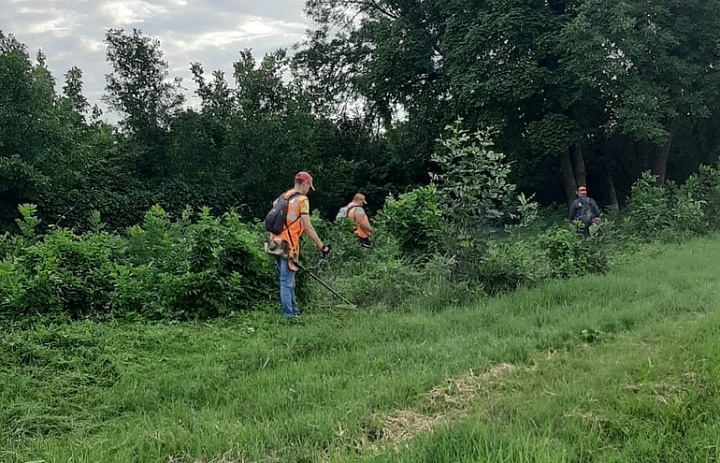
70 32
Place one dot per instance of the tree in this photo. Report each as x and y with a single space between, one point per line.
392 51
72 91
654 63
21 102
140 89
492 63
260 89
26 99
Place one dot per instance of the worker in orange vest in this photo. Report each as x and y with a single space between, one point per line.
296 223
361 224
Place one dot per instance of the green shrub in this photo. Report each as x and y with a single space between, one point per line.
508 264
158 240
478 203
688 210
570 254
414 220
708 190
143 289
13 287
69 273
663 212
28 221
8 245
648 208
163 269
194 270
473 180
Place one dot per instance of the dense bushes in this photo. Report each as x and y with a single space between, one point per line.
415 220
674 211
427 252
526 252
510 246
181 269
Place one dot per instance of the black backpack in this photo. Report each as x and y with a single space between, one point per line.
275 221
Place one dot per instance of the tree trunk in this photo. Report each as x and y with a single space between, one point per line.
578 163
568 176
610 184
662 153
641 157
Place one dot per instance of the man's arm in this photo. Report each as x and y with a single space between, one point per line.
365 225
309 230
572 211
362 221
595 208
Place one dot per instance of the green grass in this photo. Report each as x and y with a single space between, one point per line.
257 388
651 395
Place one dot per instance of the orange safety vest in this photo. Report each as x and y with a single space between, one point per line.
293 225
359 232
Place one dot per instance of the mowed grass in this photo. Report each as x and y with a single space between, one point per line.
647 396
257 388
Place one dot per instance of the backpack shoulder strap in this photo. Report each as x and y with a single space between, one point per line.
287 210
350 208
291 196
287 198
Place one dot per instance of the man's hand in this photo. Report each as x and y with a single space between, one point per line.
325 250
596 221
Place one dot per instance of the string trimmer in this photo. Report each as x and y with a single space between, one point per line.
324 285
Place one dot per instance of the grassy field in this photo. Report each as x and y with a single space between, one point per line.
622 367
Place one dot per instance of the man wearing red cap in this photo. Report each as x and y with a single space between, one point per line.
296 223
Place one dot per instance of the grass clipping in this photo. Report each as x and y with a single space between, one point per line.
450 398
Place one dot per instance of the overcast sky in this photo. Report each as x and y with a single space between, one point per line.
212 32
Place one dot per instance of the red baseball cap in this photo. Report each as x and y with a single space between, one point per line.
305 177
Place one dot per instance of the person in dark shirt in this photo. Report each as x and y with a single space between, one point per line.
585 211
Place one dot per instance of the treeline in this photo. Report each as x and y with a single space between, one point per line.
585 91
238 150
582 91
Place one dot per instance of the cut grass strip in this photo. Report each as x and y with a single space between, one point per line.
651 395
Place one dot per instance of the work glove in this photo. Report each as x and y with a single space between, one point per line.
324 251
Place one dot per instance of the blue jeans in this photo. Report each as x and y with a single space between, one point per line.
287 288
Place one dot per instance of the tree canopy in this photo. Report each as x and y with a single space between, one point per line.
577 91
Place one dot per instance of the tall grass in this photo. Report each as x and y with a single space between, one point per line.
257 388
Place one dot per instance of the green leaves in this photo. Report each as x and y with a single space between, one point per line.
415 220
140 89
648 60
670 209
162 269
472 183
139 85
28 222
553 134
